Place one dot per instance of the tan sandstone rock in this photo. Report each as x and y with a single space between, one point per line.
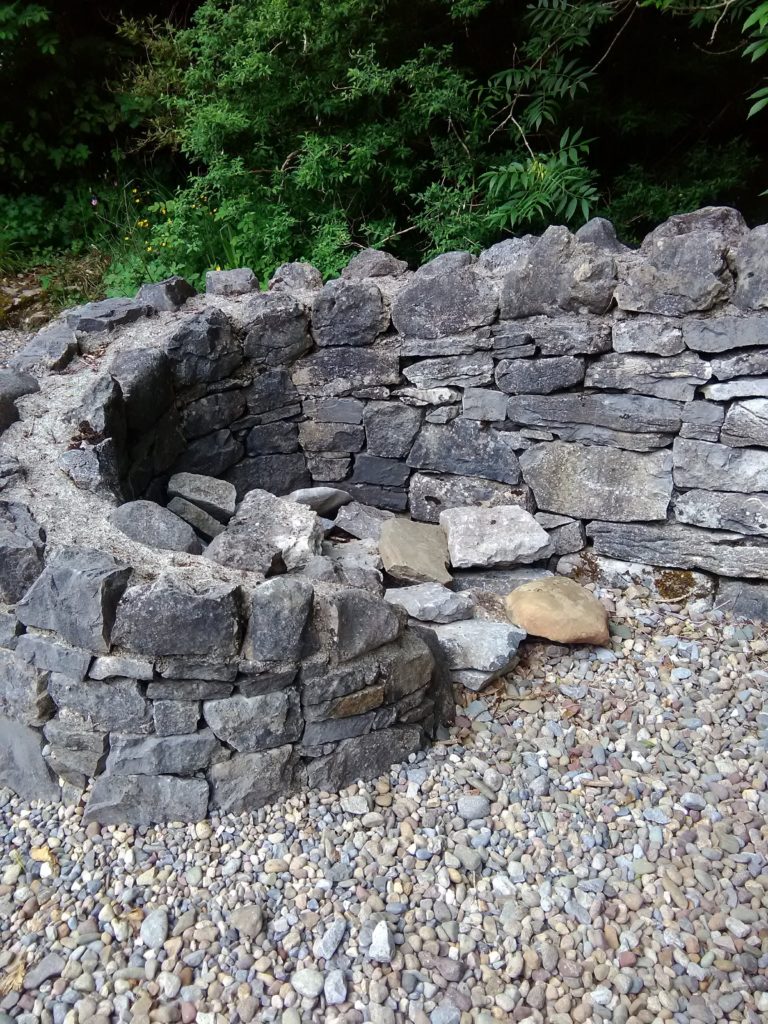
414 552
558 609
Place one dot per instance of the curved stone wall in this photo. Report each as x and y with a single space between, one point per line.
171 628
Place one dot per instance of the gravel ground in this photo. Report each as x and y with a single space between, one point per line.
588 844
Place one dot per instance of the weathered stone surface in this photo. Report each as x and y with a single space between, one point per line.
372 469
162 755
151 524
146 383
600 232
392 498
278 615
322 500
421 397
539 376
273 396
191 666
506 255
247 782
22 544
231 282
559 609
255 723
297 278
726 332
278 329
748 600
188 690
566 535
484 404
360 622
479 340
373 263
52 348
215 496
23 693
465 448
554 336
203 348
11 470
47 655
328 467
745 387
331 437
166 296
279 474
430 495
334 410
681 547
751 269
362 521
444 299
673 377
364 757
432 602
589 482
22 766
333 372
153 454
108 666
101 412
10 628
614 419
717 467
175 717
15 384
496 581
719 510
117 705
146 799
747 363
451 371
76 596
487 537
746 423
317 734
273 439
675 274
75 748
478 650
348 312
702 421
214 412
648 334
560 273
164 618
414 552
390 428
201 521
105 315
267 534
210 455
723 222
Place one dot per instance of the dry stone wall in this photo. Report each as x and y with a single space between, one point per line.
174 629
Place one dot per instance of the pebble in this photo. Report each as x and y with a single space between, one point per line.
154 929
308 982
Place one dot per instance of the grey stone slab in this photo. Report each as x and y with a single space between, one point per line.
117 704
231 282
214 412
328 467
213 666
279 474
497 581
539 376
392 498
111 665
246 782
52 348
360 622
188 690
211 455
484 404
196 517
430 495
270 393
431 602
336 372
22 766
464 448
10 628
372 469
335 437
146 383
166 296
249 724
164 618
746 423
479 645
587 482
623 413
212 495
76 596
390 428
719 510
722 333
444 299
362 521
106 315
748 363
22 546
203 348
175 717
333 410
348 313
273 439
364 757
23 690
751 267
681 547
47 655
672 377
649 334
162 755
146 800
747 600
744 387
148 523
702 421
452 345
373 263
278 613
563 335
718 467
488 537
277 329
451 371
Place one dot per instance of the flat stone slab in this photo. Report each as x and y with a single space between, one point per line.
478 650
431 602
217 497
414 552
149 523
502 536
